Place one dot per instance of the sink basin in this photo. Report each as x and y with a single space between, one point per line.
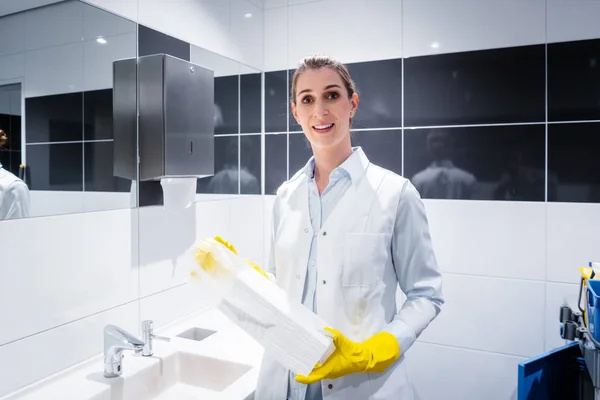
182 376
197 334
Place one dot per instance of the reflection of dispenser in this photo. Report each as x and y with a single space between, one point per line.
176 128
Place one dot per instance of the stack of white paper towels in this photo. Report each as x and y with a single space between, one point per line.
261 308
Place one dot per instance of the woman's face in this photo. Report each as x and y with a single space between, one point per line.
323 108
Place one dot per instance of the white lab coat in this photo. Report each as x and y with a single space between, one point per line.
362 258
14 196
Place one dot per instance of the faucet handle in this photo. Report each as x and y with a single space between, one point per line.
148 336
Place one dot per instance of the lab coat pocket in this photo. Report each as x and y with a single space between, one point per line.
364 259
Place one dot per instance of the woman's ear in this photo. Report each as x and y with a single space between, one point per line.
294 114
354 102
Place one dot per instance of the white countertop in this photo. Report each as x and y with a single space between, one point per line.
229 343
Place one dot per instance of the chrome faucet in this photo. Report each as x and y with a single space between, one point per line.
116 340
148 336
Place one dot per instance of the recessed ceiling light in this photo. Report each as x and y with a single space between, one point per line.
101 40
435 45
248 15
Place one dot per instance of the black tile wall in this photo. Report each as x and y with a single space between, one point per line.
489 162
226 177
383 148
574 81
226 105
98 115
379 86
250 103
293 125
275 161
300 152
55 118
250 164
10 153
478 87
151 42
56 166
98 169
276 101
573 167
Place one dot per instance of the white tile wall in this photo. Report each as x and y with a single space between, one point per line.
60 269
56 25
442 372
572 239
100 23
12 66
98 59
35 357
491 314
246 23
54 70
489 238
221 66
463 25
247 227
276 39
573 20
13 27
124 8
359 30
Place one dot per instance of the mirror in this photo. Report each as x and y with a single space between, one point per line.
56 109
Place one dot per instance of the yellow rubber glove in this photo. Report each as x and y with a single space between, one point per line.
230 247
375 354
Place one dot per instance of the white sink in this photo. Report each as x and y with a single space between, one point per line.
181 376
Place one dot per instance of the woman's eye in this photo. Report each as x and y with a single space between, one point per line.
333 95
307 99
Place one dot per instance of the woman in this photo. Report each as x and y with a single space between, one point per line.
345 233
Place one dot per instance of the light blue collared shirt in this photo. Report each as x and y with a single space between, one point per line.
320 207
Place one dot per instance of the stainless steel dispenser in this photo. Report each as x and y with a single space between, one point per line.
175 99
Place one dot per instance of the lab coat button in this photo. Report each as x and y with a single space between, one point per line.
306 230
324 282
297 276
324 233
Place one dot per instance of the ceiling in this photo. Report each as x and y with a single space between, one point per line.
14 6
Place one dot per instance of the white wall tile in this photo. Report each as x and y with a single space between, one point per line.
12 34
12 66
52 26
504 239
54 70
99 57
269 4
247 227
333 27
125 8
167 241
72 266
246 33
100 23
491 314
172 304
441 372
50 202
573 20
221 66
276 39
27 360
572 239
464 25
557 295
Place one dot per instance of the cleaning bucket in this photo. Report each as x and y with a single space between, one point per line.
593 307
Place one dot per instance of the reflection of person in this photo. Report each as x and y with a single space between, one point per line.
14 193
226 180
442 179
521 181
345 233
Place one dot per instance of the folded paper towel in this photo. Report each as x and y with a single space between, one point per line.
289 330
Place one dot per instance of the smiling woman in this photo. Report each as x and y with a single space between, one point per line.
345 233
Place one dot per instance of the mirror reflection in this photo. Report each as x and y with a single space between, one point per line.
56 147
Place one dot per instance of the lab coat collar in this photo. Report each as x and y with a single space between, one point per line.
354 166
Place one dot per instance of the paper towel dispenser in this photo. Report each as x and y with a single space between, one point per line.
174 101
